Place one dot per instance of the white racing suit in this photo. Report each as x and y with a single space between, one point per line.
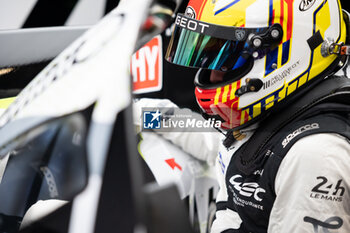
311 189
304 190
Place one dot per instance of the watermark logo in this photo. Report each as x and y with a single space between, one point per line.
151 119
177 120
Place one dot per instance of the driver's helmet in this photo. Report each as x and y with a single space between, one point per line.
270 50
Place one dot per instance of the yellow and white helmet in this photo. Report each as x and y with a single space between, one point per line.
268 49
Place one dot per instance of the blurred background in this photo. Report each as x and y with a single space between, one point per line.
18 14
42 13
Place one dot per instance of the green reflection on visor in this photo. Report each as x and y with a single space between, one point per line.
189 48
204 45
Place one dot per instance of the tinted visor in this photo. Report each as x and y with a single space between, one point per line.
202 45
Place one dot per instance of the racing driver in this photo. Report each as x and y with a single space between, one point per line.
274 73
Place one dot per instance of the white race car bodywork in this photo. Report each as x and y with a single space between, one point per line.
194 179
93 69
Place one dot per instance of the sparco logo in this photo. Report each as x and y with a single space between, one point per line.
299 131
306 4
330 223
246 189
191 24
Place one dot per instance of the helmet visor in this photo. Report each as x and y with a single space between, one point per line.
203 45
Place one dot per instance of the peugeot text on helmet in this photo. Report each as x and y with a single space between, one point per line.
268 50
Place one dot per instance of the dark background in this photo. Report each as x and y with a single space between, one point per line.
55 12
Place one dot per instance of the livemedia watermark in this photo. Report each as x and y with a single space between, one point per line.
176 120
